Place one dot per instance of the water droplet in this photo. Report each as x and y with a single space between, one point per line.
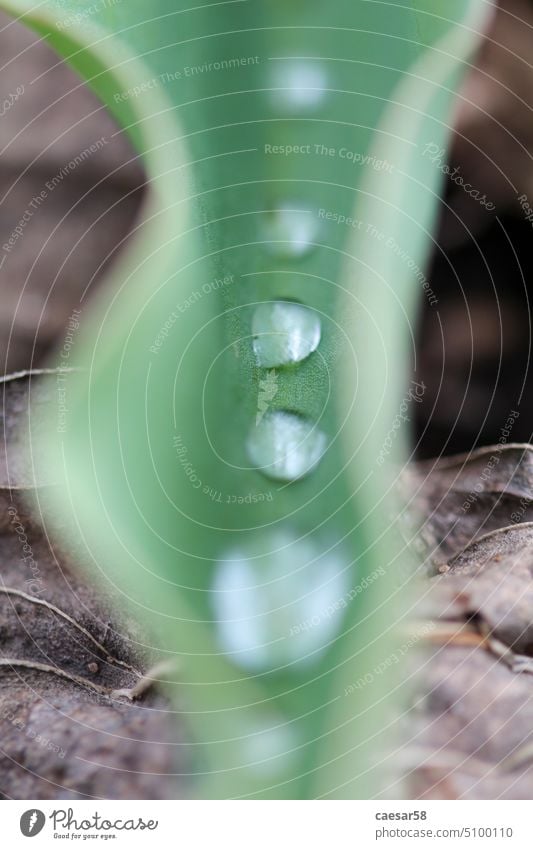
278 600
290 230
298 87
268 746
285 446
284 333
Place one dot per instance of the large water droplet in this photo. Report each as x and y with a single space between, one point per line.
284 333
298 86
290 230
285 446
278 600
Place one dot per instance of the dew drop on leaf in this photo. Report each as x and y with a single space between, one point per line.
298 87
278 601
284 333
285 446
290 230
268 745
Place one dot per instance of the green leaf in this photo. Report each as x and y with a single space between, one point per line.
284 149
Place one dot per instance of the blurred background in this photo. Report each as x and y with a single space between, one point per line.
474 345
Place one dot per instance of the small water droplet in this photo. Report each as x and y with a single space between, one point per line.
285 446
298 87
278 600
284 333
290 230
268 746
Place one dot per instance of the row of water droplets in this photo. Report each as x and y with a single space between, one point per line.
284 445
271 594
